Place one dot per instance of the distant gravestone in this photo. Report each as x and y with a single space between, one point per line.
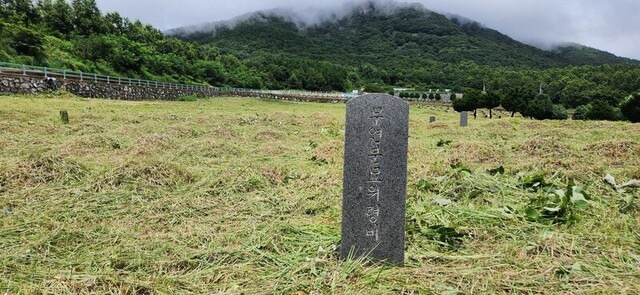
432 119
464 119
64 117
375 178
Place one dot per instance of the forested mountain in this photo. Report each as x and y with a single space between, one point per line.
397 37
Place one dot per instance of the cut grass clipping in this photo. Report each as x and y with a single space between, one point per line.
243 196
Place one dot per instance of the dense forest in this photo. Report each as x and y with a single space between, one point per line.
76 35
370 48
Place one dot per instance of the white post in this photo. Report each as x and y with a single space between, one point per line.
80 76
64 75
45 73
24 70
107 79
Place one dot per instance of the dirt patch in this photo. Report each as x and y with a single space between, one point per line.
151 173
543 146
43 170
212 148
272 149
147 144
90 143
438 125
472 152
269 135
280 118
321 120
614 149
223 132
180 131
273 175
331 150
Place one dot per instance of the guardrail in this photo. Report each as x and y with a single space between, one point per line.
20 69
81 76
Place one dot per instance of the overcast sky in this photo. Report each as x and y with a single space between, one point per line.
611 25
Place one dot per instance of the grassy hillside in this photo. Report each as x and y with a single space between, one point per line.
238 196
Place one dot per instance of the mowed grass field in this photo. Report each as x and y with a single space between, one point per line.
243 196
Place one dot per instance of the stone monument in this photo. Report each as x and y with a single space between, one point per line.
464 119
375 178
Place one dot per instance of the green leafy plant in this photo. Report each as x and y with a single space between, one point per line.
534 183
496 171
424 185
459 167
629 204
559 206
446 237
443 143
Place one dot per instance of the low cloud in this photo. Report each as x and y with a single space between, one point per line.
607 25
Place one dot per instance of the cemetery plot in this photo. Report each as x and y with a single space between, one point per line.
244 196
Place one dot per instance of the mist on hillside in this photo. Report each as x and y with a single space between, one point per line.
304 15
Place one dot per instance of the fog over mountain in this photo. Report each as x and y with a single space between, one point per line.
607 25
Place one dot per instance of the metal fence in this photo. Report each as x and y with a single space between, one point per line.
20 69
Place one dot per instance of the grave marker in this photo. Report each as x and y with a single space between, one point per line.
432 119
375 178
64 117
464 119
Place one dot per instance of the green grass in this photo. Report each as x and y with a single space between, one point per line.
243 196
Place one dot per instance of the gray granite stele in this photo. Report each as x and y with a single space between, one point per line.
464 119
375 179
432 119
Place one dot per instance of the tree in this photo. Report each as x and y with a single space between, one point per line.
559 112
541 108
87 17
432 96
115 23
473 100
452 97
491 100
631 108
603 111
20 11
374 88
57 17
516 100
212 72
29 42
581 112
438 97
463 104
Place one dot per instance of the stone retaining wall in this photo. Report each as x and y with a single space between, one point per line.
90 89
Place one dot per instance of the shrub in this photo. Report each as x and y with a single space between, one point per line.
541 108
559 112
581 112
603 111
630 108
374 88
